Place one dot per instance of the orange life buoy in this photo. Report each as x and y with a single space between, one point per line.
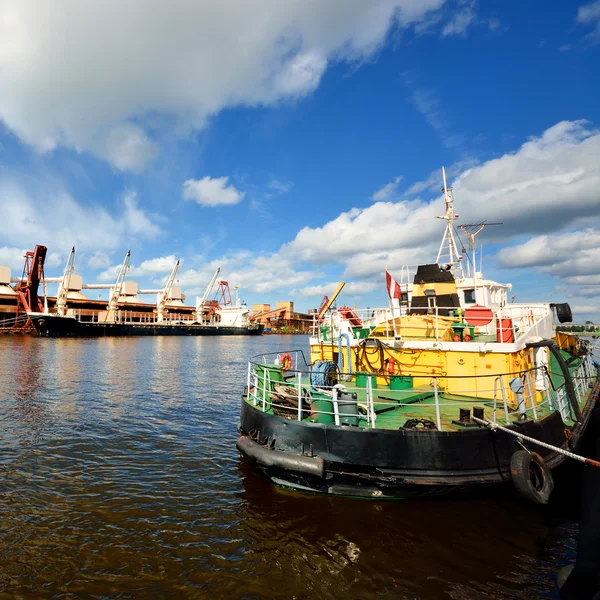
286 362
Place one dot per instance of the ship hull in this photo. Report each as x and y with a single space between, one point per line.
55 326
352 461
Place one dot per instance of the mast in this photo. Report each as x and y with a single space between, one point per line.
163 295
63 287
448 248
115 291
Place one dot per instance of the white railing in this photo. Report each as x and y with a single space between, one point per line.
513 322
523 404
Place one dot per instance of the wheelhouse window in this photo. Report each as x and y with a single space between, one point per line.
469 296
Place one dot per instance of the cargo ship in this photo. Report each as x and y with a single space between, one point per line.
27 307
450 389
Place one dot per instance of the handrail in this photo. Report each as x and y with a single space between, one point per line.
553 398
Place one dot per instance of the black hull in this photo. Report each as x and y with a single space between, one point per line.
54 326
377 463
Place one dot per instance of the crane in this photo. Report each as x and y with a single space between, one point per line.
163 295
201 301
63 287
28 286
327 302
115 290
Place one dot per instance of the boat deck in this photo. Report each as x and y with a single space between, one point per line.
392 408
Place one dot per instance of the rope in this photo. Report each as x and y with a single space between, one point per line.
494 426
323 373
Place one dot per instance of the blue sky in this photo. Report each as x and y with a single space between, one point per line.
296 144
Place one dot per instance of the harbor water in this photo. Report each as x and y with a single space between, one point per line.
119 478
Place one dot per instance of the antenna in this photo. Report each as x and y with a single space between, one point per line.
448 240
472 229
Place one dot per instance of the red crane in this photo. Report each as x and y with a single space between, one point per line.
223 295
27 289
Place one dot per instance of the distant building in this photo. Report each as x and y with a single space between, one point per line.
283 318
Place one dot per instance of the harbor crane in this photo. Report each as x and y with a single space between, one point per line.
200 302
64 283
27 287
115 291
164 294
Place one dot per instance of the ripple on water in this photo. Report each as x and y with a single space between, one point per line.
119 477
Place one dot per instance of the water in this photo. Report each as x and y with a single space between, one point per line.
119 478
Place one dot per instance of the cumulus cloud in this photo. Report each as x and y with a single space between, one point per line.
148 268
212 191
153 62
44 213
550 183
554 253
13 258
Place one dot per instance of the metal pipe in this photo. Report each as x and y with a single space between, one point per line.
346 377
370 403
531 398
437 404
299 384
334 400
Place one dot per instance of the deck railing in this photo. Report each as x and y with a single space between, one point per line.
514 395
511 322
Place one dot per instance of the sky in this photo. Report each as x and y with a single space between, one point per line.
298 144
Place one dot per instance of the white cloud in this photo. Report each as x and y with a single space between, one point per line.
427 103
547 186
13 258
212 191
136 220
101 77
150 268
353 288
41 212
379 230
281 187
99 260
162 264
461 20
589 14
388 190
550 183
555 253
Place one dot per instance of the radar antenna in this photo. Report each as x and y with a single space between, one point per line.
472 229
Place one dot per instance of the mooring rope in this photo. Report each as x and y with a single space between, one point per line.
494 426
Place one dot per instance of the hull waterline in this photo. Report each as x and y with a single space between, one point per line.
352 461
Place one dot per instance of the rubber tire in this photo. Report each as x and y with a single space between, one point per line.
531 476
563 313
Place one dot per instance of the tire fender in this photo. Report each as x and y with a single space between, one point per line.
531 476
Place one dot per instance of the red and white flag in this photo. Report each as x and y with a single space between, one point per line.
393 287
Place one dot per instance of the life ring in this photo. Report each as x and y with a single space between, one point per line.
391 365
286 362
531 476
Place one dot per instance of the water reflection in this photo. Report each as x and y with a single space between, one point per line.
119 477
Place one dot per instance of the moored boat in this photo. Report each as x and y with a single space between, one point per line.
438 393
